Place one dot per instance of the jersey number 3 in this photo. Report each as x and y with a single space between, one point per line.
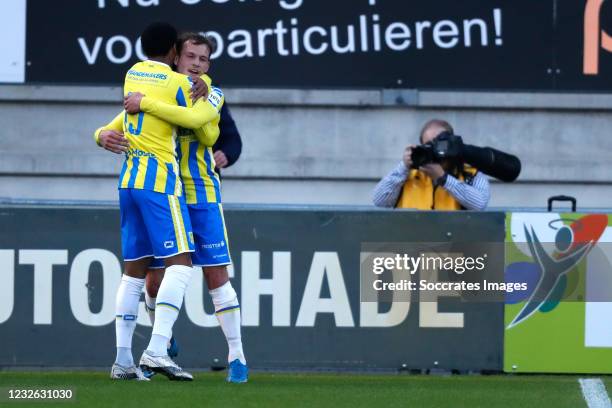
130 126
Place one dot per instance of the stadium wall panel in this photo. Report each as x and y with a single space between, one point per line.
61 267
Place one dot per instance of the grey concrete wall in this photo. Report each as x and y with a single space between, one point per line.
318 146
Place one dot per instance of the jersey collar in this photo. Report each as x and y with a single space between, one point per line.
160 63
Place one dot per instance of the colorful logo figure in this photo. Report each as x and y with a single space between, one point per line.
546 278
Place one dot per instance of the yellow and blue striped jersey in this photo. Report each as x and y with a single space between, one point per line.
200 181
197 165
151 161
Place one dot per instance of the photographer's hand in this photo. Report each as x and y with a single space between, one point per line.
407 157
433 170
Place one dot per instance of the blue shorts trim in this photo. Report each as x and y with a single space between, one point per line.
137 259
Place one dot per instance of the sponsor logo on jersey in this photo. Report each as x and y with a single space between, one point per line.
139 153
151 75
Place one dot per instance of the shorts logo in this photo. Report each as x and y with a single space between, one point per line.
214 245
169 244
190 237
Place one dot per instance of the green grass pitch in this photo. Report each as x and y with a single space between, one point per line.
95 389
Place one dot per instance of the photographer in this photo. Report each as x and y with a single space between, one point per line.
445 185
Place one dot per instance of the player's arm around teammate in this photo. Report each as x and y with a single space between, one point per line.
194 51
206 134
154 218
205 209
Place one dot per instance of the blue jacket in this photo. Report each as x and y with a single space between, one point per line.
229 138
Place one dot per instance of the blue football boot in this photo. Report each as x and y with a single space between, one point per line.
148 373
238 372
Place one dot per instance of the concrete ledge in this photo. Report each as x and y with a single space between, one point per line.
297 192
294 97
522 100
250 96
330 97
61 94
